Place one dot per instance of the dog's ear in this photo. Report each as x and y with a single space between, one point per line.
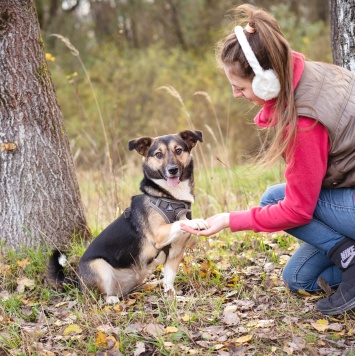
141 145
191 137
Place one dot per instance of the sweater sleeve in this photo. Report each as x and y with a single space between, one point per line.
303 184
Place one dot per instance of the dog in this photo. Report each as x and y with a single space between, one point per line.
148 233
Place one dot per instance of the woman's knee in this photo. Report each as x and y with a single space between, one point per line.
288 277
273 194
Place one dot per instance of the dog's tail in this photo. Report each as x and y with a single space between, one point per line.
55 271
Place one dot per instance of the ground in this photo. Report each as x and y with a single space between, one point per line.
230 300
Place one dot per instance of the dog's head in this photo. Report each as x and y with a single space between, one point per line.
167 157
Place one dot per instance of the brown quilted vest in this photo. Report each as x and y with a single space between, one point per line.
327 93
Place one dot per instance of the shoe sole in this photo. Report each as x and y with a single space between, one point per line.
339 310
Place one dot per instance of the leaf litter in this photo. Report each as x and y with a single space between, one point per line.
230 300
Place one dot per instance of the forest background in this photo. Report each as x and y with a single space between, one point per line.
145 67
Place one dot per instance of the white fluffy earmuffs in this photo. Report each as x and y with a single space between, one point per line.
265 84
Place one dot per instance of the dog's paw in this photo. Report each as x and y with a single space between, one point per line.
112 299
196 224
169 291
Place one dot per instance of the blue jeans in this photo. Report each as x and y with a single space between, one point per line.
333 219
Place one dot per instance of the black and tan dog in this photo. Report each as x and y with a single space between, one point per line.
148 233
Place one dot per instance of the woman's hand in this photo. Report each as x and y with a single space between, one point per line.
216 223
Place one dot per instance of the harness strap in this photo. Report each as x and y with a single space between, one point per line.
170 210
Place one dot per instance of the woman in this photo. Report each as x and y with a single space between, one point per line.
311 108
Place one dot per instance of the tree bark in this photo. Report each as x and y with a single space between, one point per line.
40 201
342 16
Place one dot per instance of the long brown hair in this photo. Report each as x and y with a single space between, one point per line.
273 52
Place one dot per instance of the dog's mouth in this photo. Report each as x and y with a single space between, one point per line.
171 174
173 181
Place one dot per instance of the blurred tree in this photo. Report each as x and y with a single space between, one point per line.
103 13
39 197
342 33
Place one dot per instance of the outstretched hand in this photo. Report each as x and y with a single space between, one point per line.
215 223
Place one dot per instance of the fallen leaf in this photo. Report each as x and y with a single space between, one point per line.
73 328
154 330
171 329
244 339
186 317
298 343
130 302
231 318
24 282
140 349
60 304
23 263
101 339
261 323
335 327
304 293
112 342
320 325
118 308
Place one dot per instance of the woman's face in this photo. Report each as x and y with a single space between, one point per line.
241 87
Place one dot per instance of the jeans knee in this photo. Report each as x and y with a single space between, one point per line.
288 279
273 194
297 277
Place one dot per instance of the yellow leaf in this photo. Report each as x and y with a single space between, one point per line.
244 338
101 339
304 293
203 274
321 325
322 321
186 317
23 263
118 308
73 328
171 329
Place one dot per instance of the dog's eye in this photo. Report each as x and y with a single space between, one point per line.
178 151
159 155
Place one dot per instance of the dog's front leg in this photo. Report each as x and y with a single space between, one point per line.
170 270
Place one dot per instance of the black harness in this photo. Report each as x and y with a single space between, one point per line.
171 210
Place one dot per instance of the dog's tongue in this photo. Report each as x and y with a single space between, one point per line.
173 181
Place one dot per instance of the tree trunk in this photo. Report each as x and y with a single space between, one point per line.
40 201
103 13
342 15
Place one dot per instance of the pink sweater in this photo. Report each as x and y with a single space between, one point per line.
303 179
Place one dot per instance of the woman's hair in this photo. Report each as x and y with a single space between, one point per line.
273 52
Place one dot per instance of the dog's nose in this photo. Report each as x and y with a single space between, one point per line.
173 170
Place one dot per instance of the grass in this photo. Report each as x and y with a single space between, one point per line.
227 302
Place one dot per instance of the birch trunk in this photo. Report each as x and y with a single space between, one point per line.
40 201
342 14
